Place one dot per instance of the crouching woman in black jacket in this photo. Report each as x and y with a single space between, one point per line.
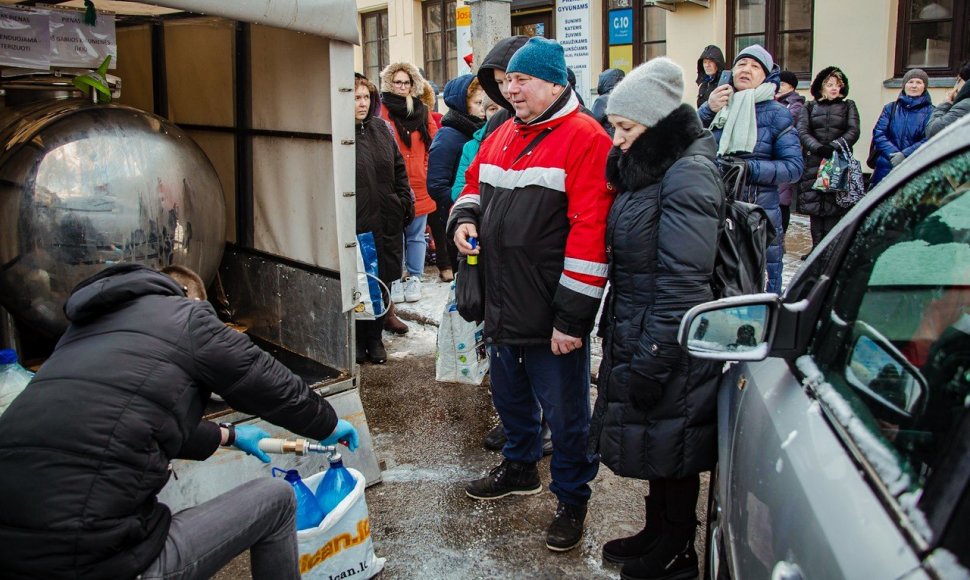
655 413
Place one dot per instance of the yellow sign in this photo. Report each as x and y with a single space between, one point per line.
463 16
621 57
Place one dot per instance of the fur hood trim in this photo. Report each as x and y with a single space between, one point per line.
824 74
655 151
417 81
427 96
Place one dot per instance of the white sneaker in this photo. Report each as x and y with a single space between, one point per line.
397 291
412 289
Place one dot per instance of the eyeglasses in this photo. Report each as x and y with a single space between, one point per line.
401 83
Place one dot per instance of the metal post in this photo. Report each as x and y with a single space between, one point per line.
491 22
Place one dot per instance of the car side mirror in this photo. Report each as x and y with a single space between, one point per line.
731 329
894 388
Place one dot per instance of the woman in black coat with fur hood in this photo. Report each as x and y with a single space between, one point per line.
830 117
655 412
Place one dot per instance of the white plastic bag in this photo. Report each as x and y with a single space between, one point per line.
341 546
461 356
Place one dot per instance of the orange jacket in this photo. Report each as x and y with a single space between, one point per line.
416 163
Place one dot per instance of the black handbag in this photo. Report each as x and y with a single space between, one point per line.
469 292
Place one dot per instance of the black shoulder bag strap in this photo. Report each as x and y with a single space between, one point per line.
533 144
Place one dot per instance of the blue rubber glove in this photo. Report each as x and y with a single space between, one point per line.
247 439
345 433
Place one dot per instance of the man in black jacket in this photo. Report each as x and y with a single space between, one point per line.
85 449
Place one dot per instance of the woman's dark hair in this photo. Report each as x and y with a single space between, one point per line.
965 71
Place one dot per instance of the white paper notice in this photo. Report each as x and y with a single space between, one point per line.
24 39
76 44
573 33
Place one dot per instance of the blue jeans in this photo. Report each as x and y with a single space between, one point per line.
415 246
259 516
529 383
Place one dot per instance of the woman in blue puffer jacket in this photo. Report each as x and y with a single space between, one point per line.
901 127
750 126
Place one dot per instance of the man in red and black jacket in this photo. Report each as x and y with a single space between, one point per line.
537 200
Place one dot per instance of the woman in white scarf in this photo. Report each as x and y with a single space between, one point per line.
753 128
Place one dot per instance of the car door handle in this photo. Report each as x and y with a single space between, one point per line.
786 571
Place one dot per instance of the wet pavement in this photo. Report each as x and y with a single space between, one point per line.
428 435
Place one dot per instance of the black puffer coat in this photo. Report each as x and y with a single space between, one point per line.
822 123
384 202
707 83
662 238
86 447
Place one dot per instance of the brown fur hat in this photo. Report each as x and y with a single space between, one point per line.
417 81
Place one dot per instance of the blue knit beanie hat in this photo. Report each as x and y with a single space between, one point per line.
540 58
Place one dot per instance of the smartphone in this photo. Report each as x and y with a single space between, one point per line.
725 78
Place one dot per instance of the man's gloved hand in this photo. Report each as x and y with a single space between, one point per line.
825 151
645 393
896 158
343 432
247 439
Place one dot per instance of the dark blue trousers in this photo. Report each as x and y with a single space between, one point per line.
529 383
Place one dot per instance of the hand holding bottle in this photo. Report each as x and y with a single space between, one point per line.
344 433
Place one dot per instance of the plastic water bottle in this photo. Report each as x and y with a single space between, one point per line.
308 514
337 484
13 378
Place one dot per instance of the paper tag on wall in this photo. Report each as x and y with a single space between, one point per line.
24 39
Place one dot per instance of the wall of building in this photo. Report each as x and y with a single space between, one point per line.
859 36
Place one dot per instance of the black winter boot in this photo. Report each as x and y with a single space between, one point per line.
672 557
566 530
508 478
495 439
622 550
376 351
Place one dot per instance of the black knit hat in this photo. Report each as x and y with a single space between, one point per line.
789 77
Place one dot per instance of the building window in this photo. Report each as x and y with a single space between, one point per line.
654 25
440 41
933 35
376 52
635 32
783 27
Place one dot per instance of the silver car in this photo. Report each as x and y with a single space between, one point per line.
844 427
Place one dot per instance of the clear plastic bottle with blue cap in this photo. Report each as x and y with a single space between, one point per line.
337 483
308 514
13 378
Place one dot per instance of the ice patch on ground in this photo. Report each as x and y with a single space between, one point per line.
406 473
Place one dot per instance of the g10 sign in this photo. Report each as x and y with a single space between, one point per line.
621 26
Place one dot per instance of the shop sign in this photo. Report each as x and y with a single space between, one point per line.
573 32
621 57
621 26
35 38
24 39
76 44
463 33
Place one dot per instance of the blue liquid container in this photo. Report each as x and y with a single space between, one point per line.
337 483
308 514
13 378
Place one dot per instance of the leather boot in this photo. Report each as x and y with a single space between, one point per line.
622 550
672 557
394 324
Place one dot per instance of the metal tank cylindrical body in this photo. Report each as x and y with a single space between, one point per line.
84 186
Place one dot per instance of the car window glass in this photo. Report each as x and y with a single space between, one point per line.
893 345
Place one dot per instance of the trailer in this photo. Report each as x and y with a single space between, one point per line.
265 90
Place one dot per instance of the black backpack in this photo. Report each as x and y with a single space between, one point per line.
745 234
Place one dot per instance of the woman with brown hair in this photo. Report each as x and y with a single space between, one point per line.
414 129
